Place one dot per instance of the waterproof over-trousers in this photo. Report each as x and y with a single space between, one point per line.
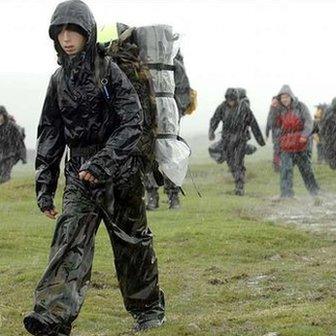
61 291
303 161
235 155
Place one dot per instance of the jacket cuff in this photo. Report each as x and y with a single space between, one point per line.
100 173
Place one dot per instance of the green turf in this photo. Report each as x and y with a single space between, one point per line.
225 268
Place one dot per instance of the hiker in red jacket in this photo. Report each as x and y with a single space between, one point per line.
293 119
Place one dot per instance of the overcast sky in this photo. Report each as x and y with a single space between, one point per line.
256 44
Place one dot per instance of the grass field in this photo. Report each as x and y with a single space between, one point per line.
225 266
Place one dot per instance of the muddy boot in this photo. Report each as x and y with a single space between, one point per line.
152 199
174 201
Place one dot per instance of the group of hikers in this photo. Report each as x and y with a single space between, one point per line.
116 107
292 129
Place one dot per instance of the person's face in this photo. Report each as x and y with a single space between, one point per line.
285 99
71 41
2 119
232 103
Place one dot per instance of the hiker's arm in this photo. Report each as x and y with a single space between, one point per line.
214 122
50 149
127 113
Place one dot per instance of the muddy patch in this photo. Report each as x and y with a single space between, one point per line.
308 213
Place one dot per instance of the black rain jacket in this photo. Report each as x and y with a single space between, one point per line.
76 113
236 124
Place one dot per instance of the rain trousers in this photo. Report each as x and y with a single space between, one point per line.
236 125
101 134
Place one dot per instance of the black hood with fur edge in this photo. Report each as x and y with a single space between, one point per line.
78 13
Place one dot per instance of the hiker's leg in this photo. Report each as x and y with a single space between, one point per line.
305 167
172 190
135 260
237 167
152 190
286 175
61 291
5 170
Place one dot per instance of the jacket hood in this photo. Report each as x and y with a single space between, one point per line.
231 94
78 13
286 90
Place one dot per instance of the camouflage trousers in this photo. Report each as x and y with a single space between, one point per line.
60 293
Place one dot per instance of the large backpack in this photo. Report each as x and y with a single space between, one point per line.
125 54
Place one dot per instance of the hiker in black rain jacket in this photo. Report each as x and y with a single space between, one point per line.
237 119
91 108
12 147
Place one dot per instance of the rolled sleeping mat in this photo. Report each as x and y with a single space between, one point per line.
158 47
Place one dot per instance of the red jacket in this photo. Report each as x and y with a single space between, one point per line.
291 126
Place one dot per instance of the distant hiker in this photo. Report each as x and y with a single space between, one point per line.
272 127
318 120
12 147
327 134
237 119
92 108
293 119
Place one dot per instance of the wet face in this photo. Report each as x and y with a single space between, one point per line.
2 119
286 100
71 41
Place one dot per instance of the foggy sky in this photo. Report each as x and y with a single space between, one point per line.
259 45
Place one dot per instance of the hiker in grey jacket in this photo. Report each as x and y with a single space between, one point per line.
293 119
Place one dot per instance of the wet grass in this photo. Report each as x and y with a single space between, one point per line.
225 268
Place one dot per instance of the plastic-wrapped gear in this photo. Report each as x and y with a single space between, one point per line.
158 47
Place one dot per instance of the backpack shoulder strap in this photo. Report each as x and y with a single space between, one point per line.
102 75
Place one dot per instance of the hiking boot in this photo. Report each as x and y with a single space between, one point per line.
152 199
149 324
36 326
174 201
